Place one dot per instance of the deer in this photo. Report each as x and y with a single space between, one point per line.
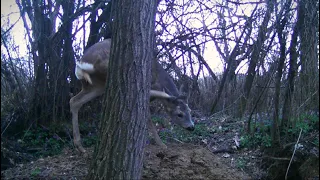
92 70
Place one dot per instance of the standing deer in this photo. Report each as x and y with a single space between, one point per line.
92 71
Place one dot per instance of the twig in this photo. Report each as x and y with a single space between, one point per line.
59 138
7 126
307 100
294 151
177 140
302 140
28 130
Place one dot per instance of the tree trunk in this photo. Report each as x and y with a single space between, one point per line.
282 41
96 24
254 59
286 111
120 148
50 98
42 102
63 88
275 133
309 73
231 67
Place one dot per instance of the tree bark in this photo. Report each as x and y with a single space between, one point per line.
120 148
309 73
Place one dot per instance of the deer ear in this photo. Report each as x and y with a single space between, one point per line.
172 100
161 94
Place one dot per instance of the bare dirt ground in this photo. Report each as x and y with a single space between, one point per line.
186 161
179 161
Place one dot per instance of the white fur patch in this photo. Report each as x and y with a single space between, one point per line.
85 66
78 73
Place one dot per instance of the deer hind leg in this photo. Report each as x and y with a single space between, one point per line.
76 102
154 133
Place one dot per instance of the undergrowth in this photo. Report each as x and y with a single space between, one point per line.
174 132
307 123
47 142
42 142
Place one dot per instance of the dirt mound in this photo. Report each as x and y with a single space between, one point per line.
186 161
179 161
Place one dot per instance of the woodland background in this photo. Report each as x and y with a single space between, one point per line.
269 77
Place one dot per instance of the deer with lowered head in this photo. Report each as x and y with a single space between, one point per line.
92 71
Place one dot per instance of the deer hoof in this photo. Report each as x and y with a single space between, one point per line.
163 146
79 147
81 150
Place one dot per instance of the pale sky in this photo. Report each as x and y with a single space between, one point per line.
10 10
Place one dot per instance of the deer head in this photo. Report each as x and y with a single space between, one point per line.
177 105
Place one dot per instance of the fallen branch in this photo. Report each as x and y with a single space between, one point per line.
276 158
177 140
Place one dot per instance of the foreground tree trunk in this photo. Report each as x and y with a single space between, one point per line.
120 148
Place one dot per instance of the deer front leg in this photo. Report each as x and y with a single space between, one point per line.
154 132
76 103
76 131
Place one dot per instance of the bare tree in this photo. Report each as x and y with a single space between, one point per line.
282 20
53 54
292 72
254 58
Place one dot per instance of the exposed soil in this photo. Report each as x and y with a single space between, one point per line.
179 161
186 161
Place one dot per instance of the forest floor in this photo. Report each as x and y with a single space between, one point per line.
204 158
179 161
212 152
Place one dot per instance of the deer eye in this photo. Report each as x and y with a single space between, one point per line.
180 115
